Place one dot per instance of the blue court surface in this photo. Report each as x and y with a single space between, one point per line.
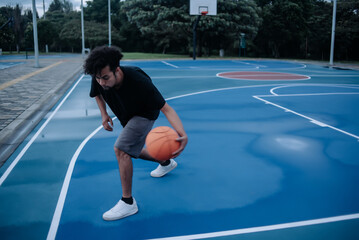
266 159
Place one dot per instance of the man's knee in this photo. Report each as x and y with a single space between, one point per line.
120 154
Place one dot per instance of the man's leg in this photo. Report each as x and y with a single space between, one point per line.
127 206
128 144
146 156
162 169
126 172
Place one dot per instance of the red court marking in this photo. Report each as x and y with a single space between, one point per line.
263 76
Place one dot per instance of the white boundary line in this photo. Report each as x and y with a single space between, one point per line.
266 66
308 94
321 85
264 228
265 80
219 89
256 66
169 64
65 186
27 146
189 76
319 123
336 76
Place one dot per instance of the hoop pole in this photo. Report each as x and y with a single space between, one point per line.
195 36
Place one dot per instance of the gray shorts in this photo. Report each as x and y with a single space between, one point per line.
133 136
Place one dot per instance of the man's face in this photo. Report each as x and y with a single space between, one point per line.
108 79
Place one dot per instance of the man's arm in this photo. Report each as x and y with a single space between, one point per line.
176 123
105 117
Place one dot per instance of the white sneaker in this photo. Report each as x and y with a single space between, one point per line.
120 210
160 171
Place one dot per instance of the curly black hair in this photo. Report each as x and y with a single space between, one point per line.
101 57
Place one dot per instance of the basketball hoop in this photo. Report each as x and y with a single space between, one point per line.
203 7
204 13
200 8
203 10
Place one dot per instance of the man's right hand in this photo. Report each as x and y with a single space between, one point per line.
105 123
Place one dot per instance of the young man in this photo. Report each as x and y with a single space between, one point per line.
136 102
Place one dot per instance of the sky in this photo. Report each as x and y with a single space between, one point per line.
27 4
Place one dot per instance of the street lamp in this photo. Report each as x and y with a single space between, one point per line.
333 32
34 24
82 29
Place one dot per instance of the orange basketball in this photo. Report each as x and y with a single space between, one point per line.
161 143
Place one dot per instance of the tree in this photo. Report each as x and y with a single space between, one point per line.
319 31
6 35
17 26
96 34
67 6
162 22
13 32
29 36
55 5
284 27
47 32
28 40
169 24
6 32
233 17
97 10
347 30
64 6
70 35
59 14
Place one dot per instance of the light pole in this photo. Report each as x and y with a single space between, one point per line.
82 29
333 32
109 23
34 24
43 7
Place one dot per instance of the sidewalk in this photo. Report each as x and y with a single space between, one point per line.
27 94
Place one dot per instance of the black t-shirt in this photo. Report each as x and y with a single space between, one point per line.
137 96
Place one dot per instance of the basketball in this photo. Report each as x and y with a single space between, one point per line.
161 143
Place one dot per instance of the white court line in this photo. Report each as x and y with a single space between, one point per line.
217 90
319 123
247 63
24 150
242 77
336 76
180 76
202 69
169 64
264 228
259 75
301 65
65 186
308 94
311 85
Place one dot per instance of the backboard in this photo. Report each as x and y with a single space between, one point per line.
199 7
